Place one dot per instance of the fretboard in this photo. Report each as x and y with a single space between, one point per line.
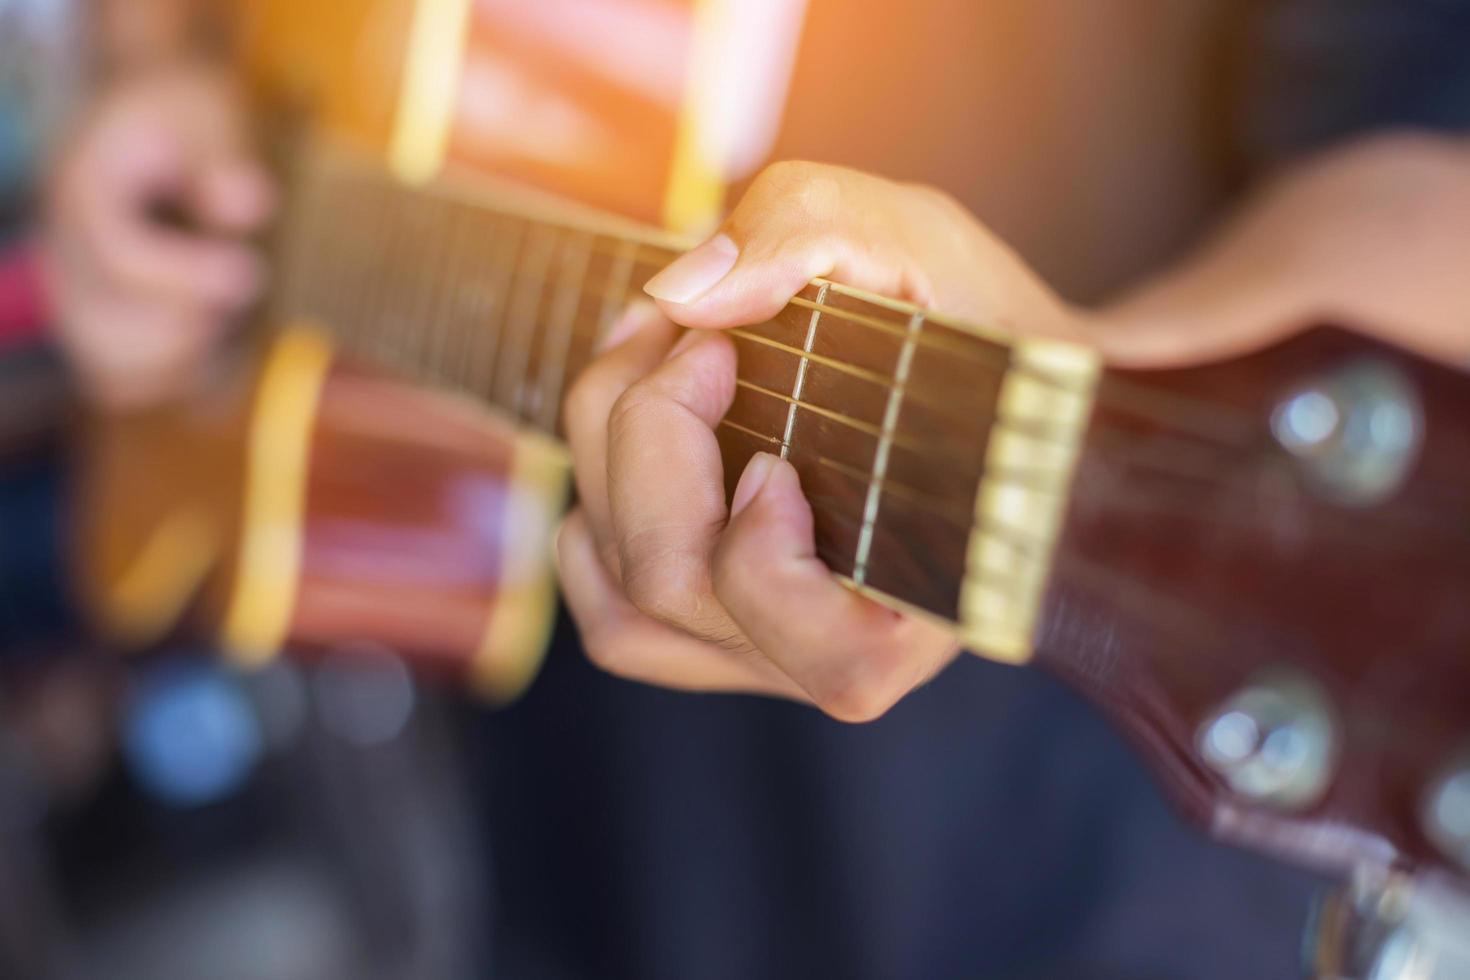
935 454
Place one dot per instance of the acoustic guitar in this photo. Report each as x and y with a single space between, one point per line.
1260 569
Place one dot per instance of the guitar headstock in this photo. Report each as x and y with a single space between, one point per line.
1264 579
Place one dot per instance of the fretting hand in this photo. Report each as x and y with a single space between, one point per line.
668 585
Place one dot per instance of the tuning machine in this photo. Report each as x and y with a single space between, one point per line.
1355 430
1391 927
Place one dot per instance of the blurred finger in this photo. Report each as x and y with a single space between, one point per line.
164 348
235 195
144 154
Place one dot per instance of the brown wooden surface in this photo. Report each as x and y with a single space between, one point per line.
407 519
1188 564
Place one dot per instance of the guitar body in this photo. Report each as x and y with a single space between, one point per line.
310 502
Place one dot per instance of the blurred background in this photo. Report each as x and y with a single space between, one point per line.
167 816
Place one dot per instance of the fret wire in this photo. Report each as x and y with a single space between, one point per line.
996 359
851 370
614 300
961 518
486 338
447 297
447 294
373 298
308 299
298 286
326 267
835 416
381 249
408 332
421 279
298 234
836 364
800 383
441 294
559 343
1031 428
344 282
885 447
369 244
474 302
520 319
427 282
401 282
634 250
332 271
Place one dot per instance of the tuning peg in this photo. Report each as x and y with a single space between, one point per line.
1390 927
1356 431
1274 741
1446 814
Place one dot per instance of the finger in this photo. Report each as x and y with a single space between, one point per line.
798 222
665 484
137 253
624 642
635 345
140 353
853 657
144 154
234 195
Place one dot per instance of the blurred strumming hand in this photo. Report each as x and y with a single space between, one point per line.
141 302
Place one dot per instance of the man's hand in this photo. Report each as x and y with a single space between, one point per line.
141 302
668 585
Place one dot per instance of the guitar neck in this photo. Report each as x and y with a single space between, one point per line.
936 454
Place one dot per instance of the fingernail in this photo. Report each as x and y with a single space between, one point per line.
752 481
694 273
639 314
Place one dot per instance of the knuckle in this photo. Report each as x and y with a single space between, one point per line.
783 174
632 407
939 200
666 589
810 190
